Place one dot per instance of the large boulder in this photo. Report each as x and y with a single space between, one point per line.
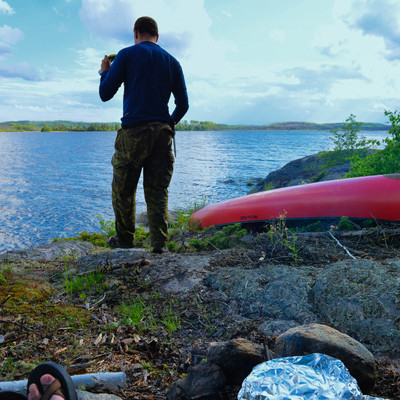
203 381
315 338
361 298
308 169
236 357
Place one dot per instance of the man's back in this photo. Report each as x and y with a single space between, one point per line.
150 75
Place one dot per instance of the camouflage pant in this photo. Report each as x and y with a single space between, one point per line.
147 147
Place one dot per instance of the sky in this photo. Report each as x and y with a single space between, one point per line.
245 61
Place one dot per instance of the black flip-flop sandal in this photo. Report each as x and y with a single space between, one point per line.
62 386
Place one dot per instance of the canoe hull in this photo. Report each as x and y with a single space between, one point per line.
370 197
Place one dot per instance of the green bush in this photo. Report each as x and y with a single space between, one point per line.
386 161
347 144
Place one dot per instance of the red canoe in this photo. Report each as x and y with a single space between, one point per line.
370 197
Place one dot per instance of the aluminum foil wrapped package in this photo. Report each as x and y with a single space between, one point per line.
312 377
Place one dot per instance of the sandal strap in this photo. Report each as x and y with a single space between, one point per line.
53 389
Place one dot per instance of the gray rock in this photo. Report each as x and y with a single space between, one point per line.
175 273
203 381
179 274
308 169
357 297
361 298
82 395
49 251
236 358
274 292
110 258
273 327
229 181
316 338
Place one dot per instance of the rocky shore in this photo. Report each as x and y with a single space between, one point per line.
239 306
252 297
309 169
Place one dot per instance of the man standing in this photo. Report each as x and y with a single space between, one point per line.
150 75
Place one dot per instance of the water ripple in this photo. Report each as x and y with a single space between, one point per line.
54 184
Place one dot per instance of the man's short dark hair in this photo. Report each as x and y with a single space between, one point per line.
147 25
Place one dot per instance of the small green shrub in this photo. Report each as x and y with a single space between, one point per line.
368 223
134 312
138 314
107 229
347 144
281 235
85 283
3 280
171 319
319 176
348 138
345 224
229 236
313 227
268 186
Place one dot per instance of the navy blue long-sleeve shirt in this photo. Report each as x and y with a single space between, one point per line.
150 74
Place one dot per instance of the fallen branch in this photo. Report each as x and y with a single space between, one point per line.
102 381
347 251
363 232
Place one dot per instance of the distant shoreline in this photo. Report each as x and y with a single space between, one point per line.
71 126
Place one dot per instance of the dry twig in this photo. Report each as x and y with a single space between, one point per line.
343 247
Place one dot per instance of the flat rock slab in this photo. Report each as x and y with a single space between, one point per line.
272 292
49 251
96 396
174 273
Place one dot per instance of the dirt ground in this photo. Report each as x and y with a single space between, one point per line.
123 323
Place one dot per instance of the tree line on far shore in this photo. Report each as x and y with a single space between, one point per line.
66 126
57 126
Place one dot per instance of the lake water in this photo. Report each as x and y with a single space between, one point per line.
54 184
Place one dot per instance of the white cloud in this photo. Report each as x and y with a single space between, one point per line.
366 44
350 66
377 19
71 95
10 35
5 8
4 49
20 70
183 25
110 20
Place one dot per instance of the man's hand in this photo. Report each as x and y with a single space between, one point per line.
105 64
